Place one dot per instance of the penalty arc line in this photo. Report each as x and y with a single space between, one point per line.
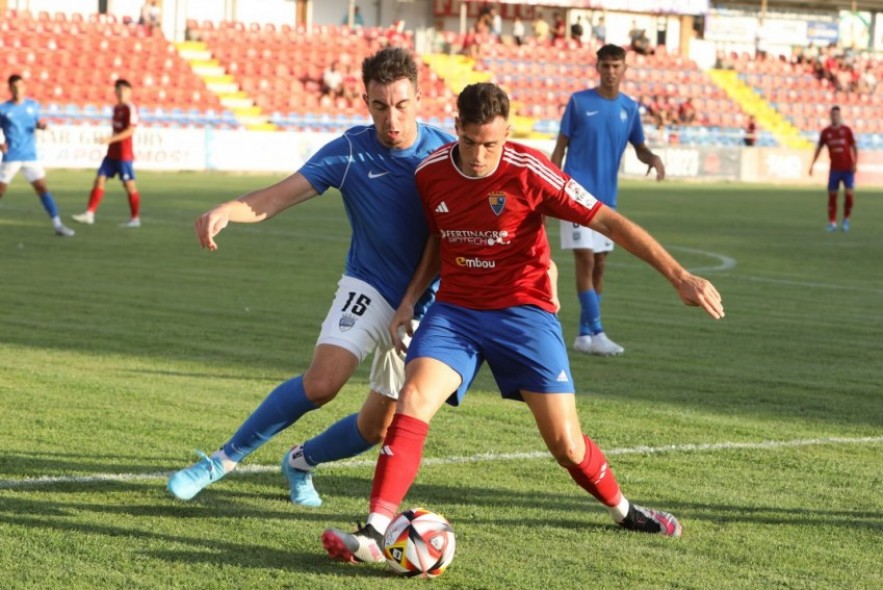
6 484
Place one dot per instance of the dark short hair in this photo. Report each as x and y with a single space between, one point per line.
835 108
13 79
611 51
388 65
122 83
482 103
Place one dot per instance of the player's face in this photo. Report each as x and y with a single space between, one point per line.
481 146
836 118
393 108
123 93
611 72
17 89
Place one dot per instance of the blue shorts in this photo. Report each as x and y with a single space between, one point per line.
110 168
523 347
835 177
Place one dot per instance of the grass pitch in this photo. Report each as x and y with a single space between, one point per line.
121 351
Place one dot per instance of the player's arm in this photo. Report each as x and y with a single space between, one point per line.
560 149
654 162
253 207
124 134
815 156
854 147
692 290
425 273
41 124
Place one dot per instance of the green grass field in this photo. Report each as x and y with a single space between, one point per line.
122 351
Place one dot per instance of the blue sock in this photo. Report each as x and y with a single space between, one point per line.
279 410
340 441
49 204
590 313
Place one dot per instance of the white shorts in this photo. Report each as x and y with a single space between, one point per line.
578 237
33 170
358 321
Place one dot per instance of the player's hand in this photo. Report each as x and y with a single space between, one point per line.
4 148
657 164
104 140
210 224
699 292
401 328
810 170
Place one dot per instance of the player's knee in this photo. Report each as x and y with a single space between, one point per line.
373 432
567 452
321 389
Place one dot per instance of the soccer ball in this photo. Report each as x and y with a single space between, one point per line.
419 543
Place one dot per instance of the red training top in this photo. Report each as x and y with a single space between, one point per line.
839 141
124 116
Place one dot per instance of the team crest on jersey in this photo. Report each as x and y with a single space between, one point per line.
623 115
346 322
497 202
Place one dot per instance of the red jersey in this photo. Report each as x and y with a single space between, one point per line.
124 116
494 251
839 141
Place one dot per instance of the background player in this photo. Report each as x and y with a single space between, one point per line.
843 153
495 305
19 120
119 159
373 166
596 126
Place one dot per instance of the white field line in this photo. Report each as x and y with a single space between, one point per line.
478 458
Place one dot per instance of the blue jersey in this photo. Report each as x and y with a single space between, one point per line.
380 196
18 122
597 130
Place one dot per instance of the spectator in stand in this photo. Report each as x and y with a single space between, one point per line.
332 81
496 24
640 43
540 28
150 15
868 81
687 112
559 28
358 20
750 132
576 30
599 31
518 31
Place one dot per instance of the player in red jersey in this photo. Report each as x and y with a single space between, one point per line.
119 159
844 160
485 199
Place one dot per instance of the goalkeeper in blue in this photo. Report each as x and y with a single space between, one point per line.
373 168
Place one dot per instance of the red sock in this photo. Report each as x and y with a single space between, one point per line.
594 476
95 199
847 205
832 207
398 463
135 204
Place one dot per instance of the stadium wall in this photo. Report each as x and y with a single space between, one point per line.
76 146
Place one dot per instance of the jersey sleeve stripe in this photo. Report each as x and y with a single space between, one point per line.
544 172
433 158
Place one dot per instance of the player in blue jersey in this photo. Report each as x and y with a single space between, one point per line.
596 127
19 119
373 167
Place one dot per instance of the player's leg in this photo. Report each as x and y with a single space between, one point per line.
578 239
128 177
37 177
105 171
848 199
833 188
601 344
338 352
7 173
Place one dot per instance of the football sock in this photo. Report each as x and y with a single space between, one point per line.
590 313
832 207
228 463
594 476
398 464
135 204
340 441
380 522
278 411
49 205
847 205
95 199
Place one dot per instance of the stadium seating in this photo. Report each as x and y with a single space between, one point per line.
71 62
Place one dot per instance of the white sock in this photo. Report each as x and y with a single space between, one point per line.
380 522
228 463
297 460
620 511
56 221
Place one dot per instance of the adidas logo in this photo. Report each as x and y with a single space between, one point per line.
385 450
562 377
442 208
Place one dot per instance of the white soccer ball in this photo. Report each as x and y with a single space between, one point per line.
419 543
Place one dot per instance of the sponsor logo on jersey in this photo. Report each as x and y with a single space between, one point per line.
474 237
475 262
497 202
576 192
442 208
346 322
